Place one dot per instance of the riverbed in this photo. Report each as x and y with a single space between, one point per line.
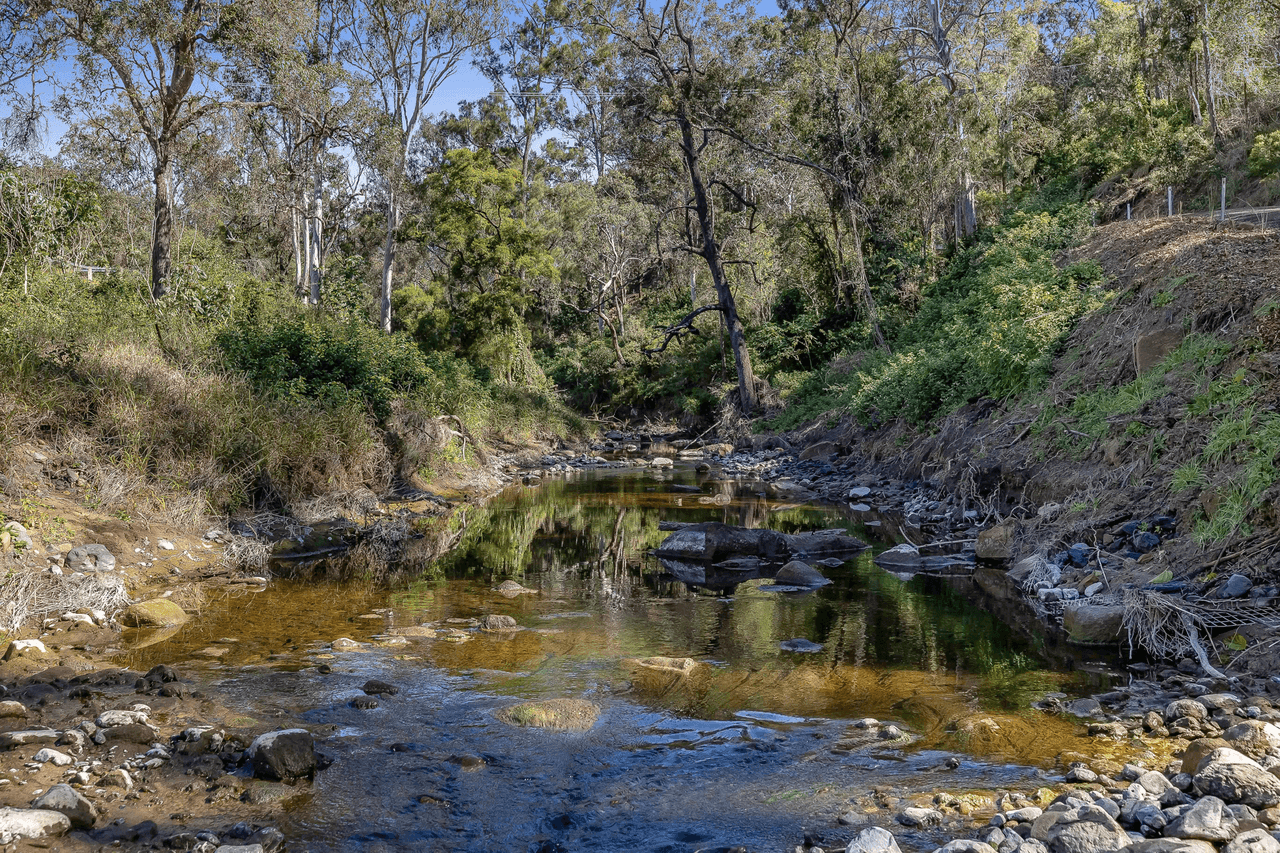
753 747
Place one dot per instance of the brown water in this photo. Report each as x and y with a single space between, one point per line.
750 749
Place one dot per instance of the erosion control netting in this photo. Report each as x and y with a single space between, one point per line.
1170 627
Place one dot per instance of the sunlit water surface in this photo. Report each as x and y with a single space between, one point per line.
750 749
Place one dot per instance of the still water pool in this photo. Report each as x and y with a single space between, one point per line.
752 748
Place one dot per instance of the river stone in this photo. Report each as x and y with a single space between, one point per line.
48 755
155 613
996 543
1169 845
919 817
797 573
675 666
821 451
1236 586
70 802
1253 841
1154 782
117 778
139 733
661 462
1206 820
498 622
965 845
1179 708
1253 737
1198 750
1092 830
374 687
567 715
8 740
283 755
1235 778
1093 624
510 589
240 848
1026 814
873 839
10 709
107 719
31 823
800 645
90 558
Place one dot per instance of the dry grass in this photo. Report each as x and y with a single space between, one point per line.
31 595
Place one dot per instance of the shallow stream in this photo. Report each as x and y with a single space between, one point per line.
751 749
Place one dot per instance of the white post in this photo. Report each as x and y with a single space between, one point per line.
1170 196
1223 217
1128 211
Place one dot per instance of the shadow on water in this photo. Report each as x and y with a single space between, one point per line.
745 745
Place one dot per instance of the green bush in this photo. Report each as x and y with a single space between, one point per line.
338 363
1264 156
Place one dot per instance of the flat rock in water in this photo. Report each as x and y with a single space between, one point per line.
800 645
155 613
797 573
569 715
374 687
498 622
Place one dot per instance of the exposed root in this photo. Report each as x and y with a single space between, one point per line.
1166 626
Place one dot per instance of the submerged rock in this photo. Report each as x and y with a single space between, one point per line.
568 715
155 613
713 541
797 573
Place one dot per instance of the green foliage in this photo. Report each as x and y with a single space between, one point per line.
988 328
1264 156
337 363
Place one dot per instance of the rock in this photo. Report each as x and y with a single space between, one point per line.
1235 778
25 649
1169 845
107 719
965 845
117 778
859 492
1149 349
374 687
1236 586
68 801
283 755
1027 814
240 848
1206 820
510 589
90 558
165 545
1093 624
139 733
1185 708
1087 829
155 613
570 715
675 666
1198 750
8 740
919 817
1253 841
31 823
364 703
10 709
345 644
18 536
996 543
1253 737
796 573
713 541
661 462
498 622
1081 774
873 839
52 756
822 451
800 645
1155 783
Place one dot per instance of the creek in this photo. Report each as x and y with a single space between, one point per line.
752 749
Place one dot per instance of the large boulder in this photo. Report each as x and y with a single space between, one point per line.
1087 829
70 802
1236 778
155 613
996 543
1253 737
822 450
31 823
1206 820
713 541
1253 841
283 755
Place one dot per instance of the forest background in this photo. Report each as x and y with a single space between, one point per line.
265 259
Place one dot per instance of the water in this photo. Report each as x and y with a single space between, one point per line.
751 748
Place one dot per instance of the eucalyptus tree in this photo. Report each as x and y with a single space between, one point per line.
161 59
680 82
404 51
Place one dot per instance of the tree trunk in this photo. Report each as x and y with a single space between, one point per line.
710 251
1191 91
317 239
859 265
162 234
966 208
304 208
388 261
1210 101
